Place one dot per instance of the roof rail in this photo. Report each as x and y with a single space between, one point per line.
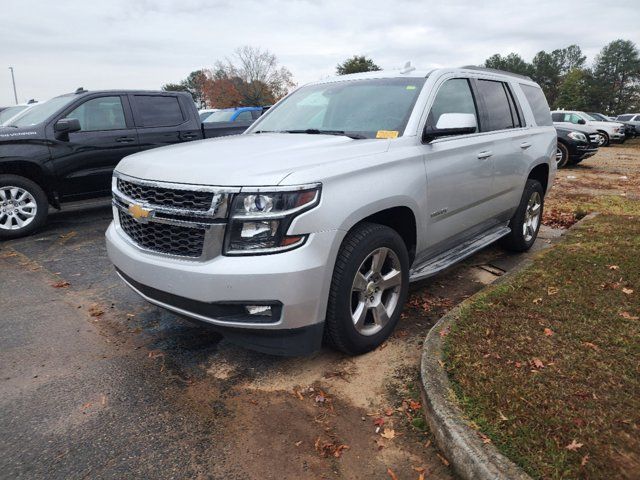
494 70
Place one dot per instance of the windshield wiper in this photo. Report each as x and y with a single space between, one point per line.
315 131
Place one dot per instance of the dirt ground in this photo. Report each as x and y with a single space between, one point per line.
125 389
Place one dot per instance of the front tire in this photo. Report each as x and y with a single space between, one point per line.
525 223
23 206
368 289
604 139
562 155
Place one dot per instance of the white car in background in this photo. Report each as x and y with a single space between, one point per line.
609 131
9 113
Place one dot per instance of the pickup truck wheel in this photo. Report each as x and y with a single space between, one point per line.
525 223
603 141
562 155
368 289
23 206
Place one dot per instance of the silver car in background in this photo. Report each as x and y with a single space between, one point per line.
312 223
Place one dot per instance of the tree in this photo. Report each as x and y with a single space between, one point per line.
256 76
616 77
546 71
194 84
573 92
356 64
513 63
569 58
222 93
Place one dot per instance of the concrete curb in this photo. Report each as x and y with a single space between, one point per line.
470 457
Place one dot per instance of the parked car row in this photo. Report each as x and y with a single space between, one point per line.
66 148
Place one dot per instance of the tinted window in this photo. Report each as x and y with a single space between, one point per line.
557 117
538 103
454 96
244 117
624 118
103 113
156 111
497 110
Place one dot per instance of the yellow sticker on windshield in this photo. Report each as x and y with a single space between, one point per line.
387 134
411 87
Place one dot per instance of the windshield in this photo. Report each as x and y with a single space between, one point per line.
10 112
588 117
600 117
41 112
368 108
220 116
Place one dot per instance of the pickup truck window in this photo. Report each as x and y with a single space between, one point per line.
539 106
220 116
103 113
454 96
42 111
158 111
498 111
244 117
359 106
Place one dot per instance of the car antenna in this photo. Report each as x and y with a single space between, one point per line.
407 68
81 90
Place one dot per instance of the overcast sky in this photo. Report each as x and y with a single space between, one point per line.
56 46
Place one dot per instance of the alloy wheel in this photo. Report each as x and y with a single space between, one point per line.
375 292
532 216
18 208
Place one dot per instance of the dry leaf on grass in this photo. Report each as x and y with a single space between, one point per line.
628 316
96 311
536 362
388 433
627 291
584 460
391 474
61 284
552 290
443 460
573 446
614 267
548 332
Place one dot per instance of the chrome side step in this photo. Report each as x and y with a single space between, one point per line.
460 252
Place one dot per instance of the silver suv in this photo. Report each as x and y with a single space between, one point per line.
312 223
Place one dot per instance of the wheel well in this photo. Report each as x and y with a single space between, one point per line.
30 171
603 131
541 173
403 221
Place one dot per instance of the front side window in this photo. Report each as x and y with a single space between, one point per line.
539 106
367 108
103 113
454 96
158 111
575 118
497 109
244 117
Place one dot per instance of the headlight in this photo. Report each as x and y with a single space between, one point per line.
577 136
260 219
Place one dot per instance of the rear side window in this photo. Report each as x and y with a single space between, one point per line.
244 117
497 104
454 96
539 106
157 111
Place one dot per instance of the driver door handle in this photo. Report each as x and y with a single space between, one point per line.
525 145
485 154
125 139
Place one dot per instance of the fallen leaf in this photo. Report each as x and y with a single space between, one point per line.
388 433
548 332
421 477
443 460
413 405
378 422
96 311
391 474
614 267
552 290
573 446
298 394
298 443
627 291
502 417
593 346
628 316
537 362
585 460
61 284
419 469
444 332
537 301
518 364
388 412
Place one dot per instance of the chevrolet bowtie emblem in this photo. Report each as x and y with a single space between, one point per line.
138 212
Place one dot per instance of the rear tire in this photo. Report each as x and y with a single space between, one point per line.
525 223
23 206
368 289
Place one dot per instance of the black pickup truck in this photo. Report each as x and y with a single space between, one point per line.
66 148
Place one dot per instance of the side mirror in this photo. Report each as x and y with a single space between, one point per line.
67 125
582 121
451 124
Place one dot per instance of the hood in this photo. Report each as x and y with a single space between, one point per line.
13 134
604 125
246 160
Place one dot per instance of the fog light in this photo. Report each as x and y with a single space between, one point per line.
262 310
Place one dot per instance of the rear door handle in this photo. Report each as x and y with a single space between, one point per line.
485 154
125 139
525 145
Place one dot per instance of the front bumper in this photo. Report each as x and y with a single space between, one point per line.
297 280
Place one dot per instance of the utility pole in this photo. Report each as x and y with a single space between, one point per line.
13 79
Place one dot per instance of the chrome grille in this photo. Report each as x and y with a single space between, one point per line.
166 197
163 238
